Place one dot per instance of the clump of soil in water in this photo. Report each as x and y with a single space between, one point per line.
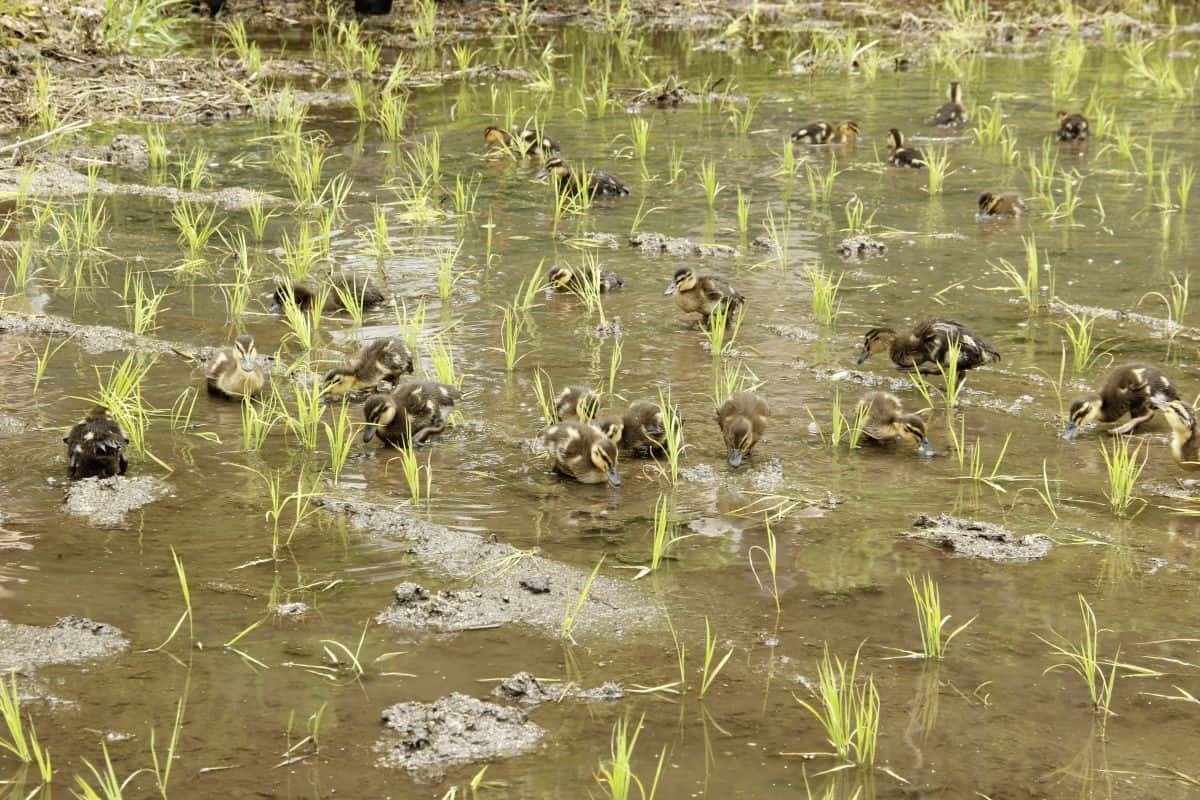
24 647
527 690
656 244
978 539
861 246
106 501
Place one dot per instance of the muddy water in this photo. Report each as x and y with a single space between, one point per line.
988 720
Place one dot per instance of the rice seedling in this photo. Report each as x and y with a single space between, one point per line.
848 713
162 769
21 743
1183 189
1028 283
108 785
1156 73
937 165
708 182
426 158
989 124
1067 55
246 51
423 22
142 26
857 220
43 359
825 303
953 380
1086 350
25 267
930 621
972 469
672 443
639 135
143 308
196 226
465 194
192 169
1083 658
722 329
1123 466
771 554
300 500
614 364
352 299
543 392
842 426
664 536
41 101
441 355
362 100
1175 301
511 326
1009 154
259 217
120 391
305 423
1070 187
572 611
675 164
741 119
779 234
340 438
412 469
300 160
447 276
258 420
303 328
616 776
186 615
711 668
820 184
391 110
743 212
787 163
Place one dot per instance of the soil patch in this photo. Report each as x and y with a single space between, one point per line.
106 501
26 647
527 690
978 539
862 246
656 244
89 338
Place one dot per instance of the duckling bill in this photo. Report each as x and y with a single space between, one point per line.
96 447
235 371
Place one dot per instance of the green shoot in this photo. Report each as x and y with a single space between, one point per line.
848 713
1083 658
571 613
711 669
1123 468
932 624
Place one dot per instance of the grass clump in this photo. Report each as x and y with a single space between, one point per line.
616 776
21 742
1123 466
928 600
1083 658
846 710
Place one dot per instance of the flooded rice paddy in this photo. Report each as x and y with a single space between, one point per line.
256 672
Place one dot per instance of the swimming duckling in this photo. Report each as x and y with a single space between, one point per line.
640 429
96 447
1129 389
1185 436
951 114
235 371
1001 204
582 452
526 143
565 279
416 407
743 420
1072 127
341 289
885 423
704 294
930 341
370 7
572 184
577 403
381 360
901 156
844 132
813 133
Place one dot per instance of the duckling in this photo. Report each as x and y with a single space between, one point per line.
373 7
381 360
640 429
96 447
951 114
416 407
1129 389
341 286
703 294
1001 204
813 133
578 403
572 184
743 420
526 143
235 371
901 156
582 452
885 423
1072 127
1185 436
930 341
844 133
565 279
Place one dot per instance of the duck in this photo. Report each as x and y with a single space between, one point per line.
582 452
844 132
381 360
901 156
373 7
1129 389
930 342
96 447
305 296
704 294
639 430
416 409
1185 435
813 133
743 420
571 184
565 279
577 403
235 372
526 142
1000 204
1072 127
951 114
885 423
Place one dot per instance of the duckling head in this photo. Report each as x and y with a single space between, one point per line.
1179 415
846 130
339 381
955 93
1082 411
560 277
378 411
739 439
876 340
556 168
986 201
683 281
496 137
895 139
910 428
654 427
244 347
603 454
396 356
612 427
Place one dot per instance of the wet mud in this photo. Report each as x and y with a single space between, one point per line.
524 688
71 639
974 539
656 244
106 502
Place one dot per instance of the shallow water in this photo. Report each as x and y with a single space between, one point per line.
989 720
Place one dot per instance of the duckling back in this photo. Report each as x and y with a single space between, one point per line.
96 447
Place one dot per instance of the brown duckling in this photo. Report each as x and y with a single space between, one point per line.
381 360
813 133
96 447
1185 435
703 294
578 403
930 342
1072 127
341 288
525 143
901 156
582 452
235 371
885 423
565 279
743 420
416 408
1129 389
1000 204
844 132
640 429
572 184
951 114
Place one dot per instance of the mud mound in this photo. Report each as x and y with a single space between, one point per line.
106 501
656 244
978 539
25 647
527 690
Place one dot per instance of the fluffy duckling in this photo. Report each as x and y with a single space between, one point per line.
416 407
565 279
1072 127
577 403
929 341
96 447
341 288
526 143
901 156
381 360
1000 204
235 371
640 429
743 420
1185 436
703 294
582 452
1130 389
885 423
951 114
572 184
844 132
813 133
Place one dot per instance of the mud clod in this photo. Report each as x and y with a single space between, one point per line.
656 244
539 584
526 689
978 539
25 647
862 246
106 501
